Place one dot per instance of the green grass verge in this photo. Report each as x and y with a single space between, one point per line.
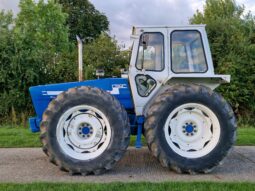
245 137
18 137
141 186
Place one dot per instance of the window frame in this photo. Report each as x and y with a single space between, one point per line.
171 58
137 85
140 38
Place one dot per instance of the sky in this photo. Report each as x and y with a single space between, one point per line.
123 14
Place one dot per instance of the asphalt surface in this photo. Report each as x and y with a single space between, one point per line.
31 165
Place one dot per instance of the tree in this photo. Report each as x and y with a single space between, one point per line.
104 53
232 38
38 47
83 19
35 49
6 51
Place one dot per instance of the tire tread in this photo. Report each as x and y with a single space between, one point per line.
55 106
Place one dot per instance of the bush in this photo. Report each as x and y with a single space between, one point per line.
232 38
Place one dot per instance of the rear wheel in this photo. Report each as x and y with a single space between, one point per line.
85 130
190 128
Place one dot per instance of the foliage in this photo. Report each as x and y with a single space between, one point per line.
104 53
32 51
6 49
35 49
41 39
232 38
84 20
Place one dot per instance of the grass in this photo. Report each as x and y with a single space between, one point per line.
246 137
141 186
18 137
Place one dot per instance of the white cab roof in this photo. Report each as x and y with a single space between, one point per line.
137 28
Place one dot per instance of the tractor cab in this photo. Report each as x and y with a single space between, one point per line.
166 55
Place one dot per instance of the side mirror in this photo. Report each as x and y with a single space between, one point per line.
145 40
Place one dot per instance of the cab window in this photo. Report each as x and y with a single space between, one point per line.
151 52
187 52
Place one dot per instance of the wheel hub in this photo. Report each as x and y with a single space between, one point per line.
85 130
189 129
83 135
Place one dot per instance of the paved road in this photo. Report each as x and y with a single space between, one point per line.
31 165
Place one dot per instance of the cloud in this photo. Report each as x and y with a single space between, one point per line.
10 5
127 13
123 14
249 5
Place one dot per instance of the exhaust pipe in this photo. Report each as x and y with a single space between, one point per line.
80 61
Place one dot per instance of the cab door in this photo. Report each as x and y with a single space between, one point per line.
149 65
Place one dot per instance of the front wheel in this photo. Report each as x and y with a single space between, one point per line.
190 128
85 130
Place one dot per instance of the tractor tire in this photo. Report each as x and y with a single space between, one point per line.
85 131
190 128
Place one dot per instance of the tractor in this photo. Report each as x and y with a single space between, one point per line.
168 98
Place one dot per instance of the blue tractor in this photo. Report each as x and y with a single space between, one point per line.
168 97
